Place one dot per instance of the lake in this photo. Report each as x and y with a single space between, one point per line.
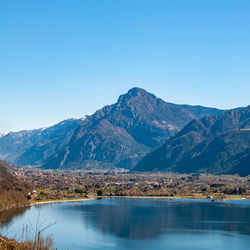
126 223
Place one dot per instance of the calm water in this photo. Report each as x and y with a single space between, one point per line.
139 224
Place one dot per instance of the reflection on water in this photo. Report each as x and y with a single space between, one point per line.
142 219
113 223
7 216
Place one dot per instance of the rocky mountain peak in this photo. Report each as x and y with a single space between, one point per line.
135 93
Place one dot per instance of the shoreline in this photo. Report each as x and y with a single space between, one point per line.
60 201
46 202
168 197
133 197
122 197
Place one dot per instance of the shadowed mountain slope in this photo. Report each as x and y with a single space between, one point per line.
218 145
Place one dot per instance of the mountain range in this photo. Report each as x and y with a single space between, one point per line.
214 144
117 135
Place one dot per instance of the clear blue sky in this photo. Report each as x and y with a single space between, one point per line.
67 58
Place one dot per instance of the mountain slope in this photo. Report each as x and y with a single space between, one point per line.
219 145
119 135
32 147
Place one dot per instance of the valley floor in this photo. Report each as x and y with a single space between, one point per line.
73 185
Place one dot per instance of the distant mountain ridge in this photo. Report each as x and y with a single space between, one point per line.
32 147
218 144
117 135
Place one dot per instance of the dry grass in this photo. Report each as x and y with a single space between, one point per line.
31 237
39 244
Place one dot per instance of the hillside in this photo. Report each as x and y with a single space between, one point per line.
119 135
13 193
218 145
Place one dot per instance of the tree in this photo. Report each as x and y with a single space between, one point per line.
99 192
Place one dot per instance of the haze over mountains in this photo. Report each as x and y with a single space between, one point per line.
117 135
33 147
218 145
